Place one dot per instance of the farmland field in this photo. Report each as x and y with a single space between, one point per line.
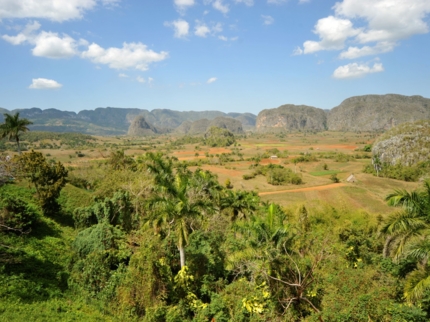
325 154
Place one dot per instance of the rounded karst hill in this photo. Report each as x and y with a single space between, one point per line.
407 144
377 112
292 118
139 127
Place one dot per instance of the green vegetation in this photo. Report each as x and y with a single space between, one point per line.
218 137
143 230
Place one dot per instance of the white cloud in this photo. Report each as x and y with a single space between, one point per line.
180 26
183 5
382 24
43 83
379 48
150 80
218 5
355 70
46 44
211 80
50 45
140 79
55 10
201 29
333 32
267 20
249 3
122 75
131 55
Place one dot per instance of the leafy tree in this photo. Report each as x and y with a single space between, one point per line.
13 126
47 178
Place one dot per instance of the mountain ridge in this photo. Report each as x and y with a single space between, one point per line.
356 113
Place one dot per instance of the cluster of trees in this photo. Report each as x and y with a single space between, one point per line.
275 174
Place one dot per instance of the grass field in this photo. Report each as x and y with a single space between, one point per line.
334 153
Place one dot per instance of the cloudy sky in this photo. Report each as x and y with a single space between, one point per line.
228 55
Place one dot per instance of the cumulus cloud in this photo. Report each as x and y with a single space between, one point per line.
267 20
122 75
220 6
180 27
355 70
131 55
211 80
183 5
333 32
140 79
46 44
53 45
356 52
386 22
55 10
201 29
43 83
50 45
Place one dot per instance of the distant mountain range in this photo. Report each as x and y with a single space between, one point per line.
360 113
116 121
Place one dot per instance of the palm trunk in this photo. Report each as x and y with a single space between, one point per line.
182 255
386 250
17 142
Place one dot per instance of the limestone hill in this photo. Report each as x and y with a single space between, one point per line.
377 112
202 126
139 127
292 118
406 144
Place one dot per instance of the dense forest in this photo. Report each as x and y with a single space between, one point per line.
149 239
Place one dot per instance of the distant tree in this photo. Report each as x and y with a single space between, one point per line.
12 127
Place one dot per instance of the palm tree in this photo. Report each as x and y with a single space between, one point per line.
176 201
239 204
12 127
409 229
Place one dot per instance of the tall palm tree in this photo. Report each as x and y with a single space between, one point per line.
12 127
176 201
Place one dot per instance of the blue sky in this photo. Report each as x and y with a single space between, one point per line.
227 55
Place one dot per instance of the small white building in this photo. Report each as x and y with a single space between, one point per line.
351 178
273 157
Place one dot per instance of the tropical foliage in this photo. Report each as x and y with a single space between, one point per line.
150 239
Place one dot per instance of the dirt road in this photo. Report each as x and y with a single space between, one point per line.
328 186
